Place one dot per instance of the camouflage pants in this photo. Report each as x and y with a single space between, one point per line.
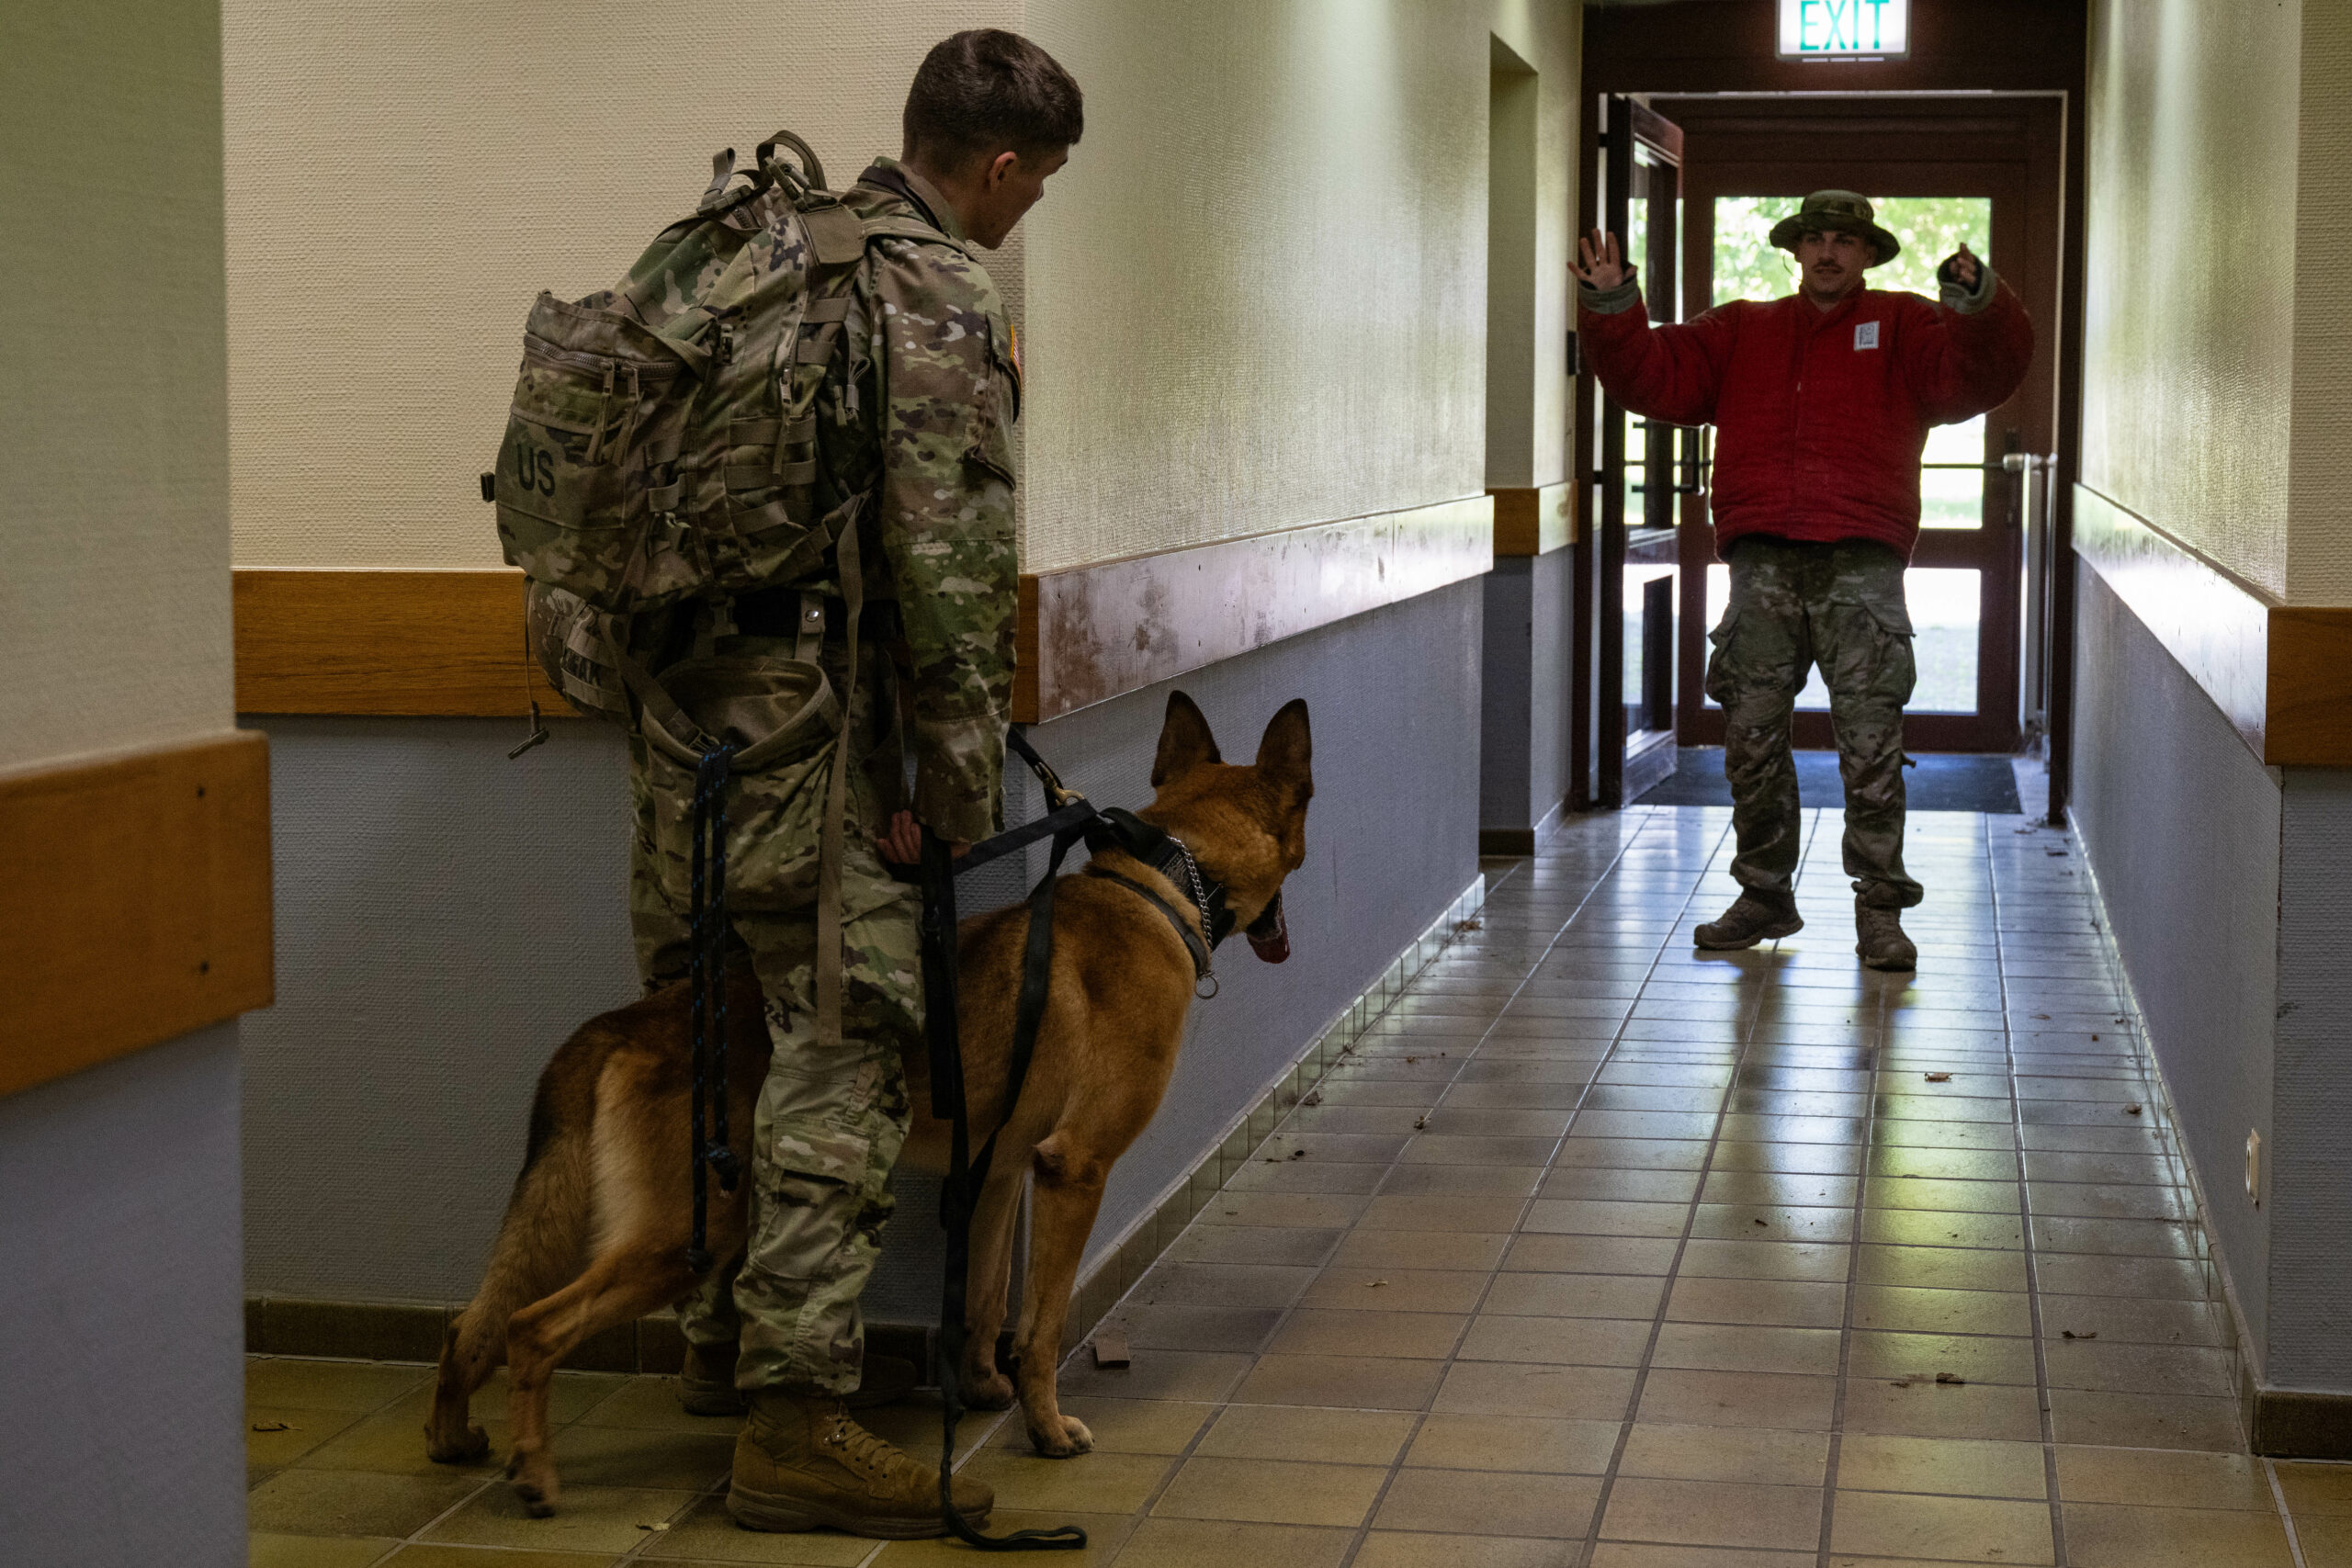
829 1124
1840 606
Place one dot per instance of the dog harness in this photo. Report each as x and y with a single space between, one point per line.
1071 819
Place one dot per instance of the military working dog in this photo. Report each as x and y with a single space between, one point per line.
596 1232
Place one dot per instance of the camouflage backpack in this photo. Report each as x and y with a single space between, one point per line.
662 442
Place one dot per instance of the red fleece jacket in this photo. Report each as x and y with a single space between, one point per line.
1820 416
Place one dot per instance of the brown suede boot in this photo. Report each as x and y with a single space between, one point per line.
1756 916
706 1381
1878 937
801 1464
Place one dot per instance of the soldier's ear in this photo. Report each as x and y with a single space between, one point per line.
1184 741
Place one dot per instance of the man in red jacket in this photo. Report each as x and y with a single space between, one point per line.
1821 403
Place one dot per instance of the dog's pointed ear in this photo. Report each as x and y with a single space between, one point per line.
1184 741
1287 752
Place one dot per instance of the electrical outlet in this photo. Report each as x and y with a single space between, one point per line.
2254 1169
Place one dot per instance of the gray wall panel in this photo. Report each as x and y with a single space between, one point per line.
1552 600
1392 839
124 1387
2310 1175
1504 802
2182 825
446 917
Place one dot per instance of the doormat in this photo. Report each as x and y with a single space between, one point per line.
1946 782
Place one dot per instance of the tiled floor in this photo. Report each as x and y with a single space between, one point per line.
1598 1253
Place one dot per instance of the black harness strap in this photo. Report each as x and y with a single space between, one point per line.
968 1171
1073 818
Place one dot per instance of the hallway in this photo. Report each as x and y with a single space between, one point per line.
1597 1251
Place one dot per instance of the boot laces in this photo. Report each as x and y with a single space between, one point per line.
864 1451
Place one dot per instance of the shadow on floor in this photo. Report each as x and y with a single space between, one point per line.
1944 782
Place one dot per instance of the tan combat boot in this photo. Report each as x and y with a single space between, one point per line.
1756 916
706 1381
802 1464
1878 937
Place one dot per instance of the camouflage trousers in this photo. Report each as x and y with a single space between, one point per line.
829 1124
1840 606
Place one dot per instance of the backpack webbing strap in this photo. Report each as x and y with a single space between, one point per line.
829 842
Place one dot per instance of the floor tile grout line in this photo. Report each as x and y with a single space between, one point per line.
1631 1417
2286 1514
2043 1398
1836 1454
1420 1418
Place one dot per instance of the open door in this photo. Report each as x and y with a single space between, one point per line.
1647 473
1941 171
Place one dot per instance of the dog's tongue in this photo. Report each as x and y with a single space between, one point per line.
1275 946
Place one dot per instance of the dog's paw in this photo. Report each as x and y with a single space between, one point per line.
993 1392
1067 1437
533 1481
468 1449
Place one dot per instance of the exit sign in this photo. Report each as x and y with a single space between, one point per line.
1844 29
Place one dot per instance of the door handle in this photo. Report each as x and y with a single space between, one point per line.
1690 459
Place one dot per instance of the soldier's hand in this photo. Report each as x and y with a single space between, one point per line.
1602 267
1962 267
902 845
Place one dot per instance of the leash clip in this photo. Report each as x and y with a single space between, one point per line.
539 736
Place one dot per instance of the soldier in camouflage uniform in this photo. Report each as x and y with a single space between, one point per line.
1822 402
919 422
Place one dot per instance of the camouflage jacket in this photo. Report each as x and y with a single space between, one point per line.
921 422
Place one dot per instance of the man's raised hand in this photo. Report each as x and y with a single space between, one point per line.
1602 267
1961 266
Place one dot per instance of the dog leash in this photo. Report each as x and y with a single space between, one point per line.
1066 824
706 988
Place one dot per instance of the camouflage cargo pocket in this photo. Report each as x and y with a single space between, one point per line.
992 448
1895 670
783 719
1717 683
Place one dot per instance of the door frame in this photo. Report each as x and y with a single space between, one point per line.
1602 772
2007 148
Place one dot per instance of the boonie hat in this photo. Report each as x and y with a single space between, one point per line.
1836 211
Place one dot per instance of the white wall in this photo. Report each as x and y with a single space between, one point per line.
2189 284
114 602
1257 295
404 179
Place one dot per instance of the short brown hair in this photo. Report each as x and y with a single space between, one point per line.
984 91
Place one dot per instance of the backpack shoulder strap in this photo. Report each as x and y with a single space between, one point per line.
899 227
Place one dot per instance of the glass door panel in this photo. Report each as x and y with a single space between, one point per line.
1952 476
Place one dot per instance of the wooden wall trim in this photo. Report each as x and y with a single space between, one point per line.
410 643
425 643
2308 709
1093 632
1534 521
2215 626
136 893
2281 673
